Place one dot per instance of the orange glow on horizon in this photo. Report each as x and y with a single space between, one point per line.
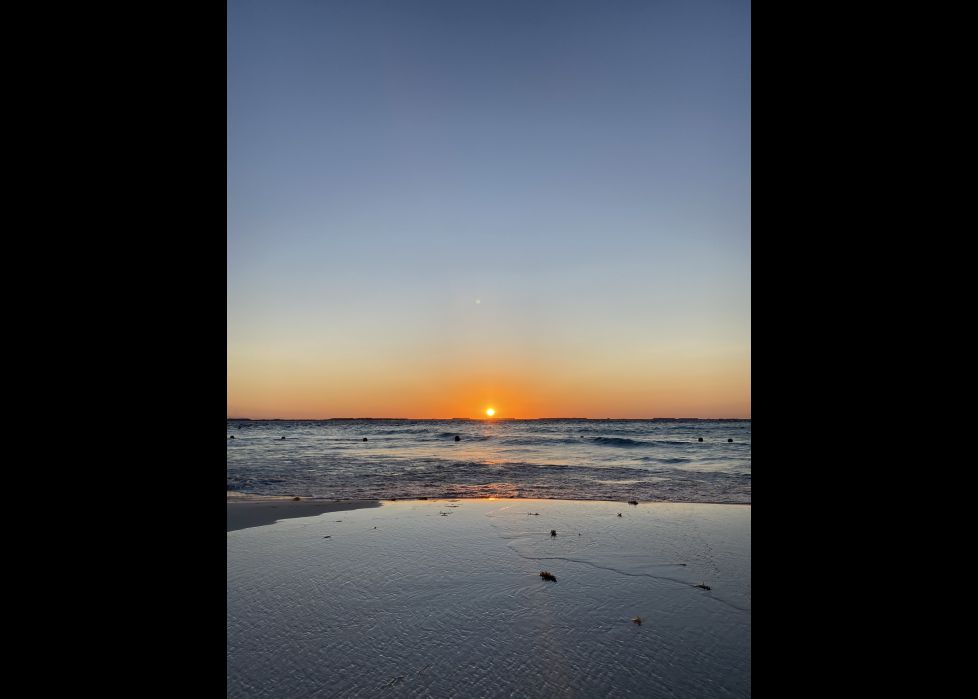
264 386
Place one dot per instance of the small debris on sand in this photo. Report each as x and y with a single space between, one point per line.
296 498
637 620
327 537
619 514
425 498
704 586
553 532
547 575
633 502
444 514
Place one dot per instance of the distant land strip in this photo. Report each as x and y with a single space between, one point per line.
494 419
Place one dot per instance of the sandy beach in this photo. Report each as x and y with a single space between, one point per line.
255 511
444 598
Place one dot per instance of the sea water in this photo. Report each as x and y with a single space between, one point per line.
646 460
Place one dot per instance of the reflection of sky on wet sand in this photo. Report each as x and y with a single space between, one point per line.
455 605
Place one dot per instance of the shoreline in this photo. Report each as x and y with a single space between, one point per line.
253 497
258 511
245 510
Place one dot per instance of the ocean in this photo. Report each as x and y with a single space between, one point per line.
645 460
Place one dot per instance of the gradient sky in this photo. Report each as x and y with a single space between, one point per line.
434 207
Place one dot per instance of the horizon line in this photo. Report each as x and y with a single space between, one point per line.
494 419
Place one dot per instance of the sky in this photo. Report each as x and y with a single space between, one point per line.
439 207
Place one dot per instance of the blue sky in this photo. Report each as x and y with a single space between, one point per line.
579 168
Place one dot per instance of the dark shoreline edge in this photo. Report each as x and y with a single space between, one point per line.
242 514
250 513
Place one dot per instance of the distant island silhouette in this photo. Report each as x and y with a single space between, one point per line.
494 419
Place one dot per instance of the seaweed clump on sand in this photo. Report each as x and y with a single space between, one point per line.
553 532
703 586
547 575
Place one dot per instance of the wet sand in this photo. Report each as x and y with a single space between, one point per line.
445 598
245 512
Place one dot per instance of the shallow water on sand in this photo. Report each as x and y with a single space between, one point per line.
568 459
404 600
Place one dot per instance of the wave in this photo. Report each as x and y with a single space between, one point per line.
465 437
620 442
538 441
625 442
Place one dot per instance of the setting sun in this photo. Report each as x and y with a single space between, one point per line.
490 412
